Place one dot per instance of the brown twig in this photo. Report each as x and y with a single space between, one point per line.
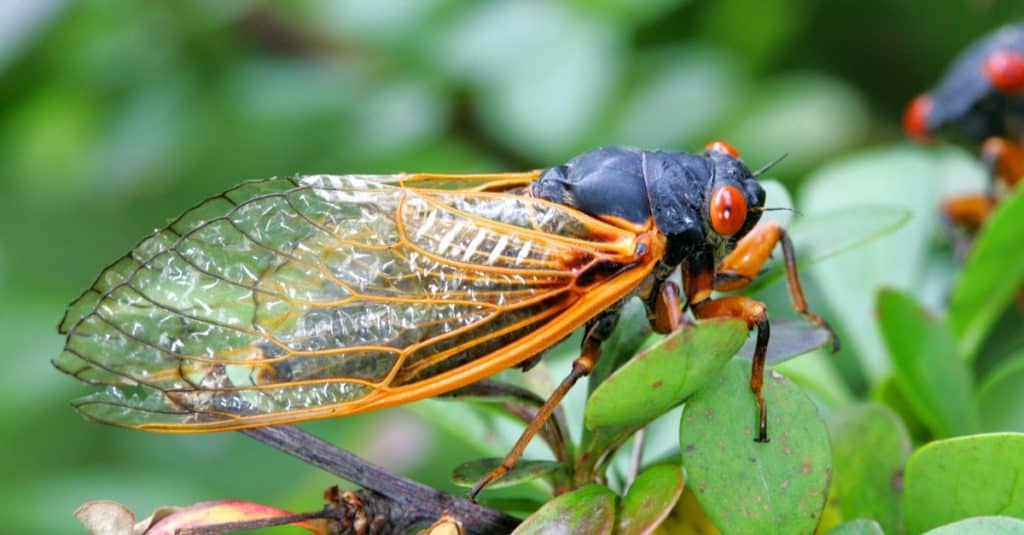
398 497
363 512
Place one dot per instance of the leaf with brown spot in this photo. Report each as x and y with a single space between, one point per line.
746 486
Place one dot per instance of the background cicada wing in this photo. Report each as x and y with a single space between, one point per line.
291 299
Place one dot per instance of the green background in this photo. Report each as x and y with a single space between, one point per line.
116 116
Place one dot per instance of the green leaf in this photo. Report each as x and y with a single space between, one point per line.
901 177
746 486
574 63
650 499
859 526
1001 399
936 382
586 511
757 32
870 446
949 480
820 114
989 525
888 393
665 374
666 76
632 332
992 276
468 474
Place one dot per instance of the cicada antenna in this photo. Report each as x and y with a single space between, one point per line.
776 209
770 164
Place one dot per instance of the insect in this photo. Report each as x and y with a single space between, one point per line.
979 102
292 299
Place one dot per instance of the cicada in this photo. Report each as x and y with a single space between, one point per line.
316 296
979 102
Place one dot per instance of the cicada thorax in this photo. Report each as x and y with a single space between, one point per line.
328 291
981 94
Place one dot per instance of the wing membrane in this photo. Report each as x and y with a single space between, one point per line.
290 299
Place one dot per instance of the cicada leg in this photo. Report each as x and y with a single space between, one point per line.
597 331
1005 161
737 271
969 211
744 263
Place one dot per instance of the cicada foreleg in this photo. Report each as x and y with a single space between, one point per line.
745 262
754 313
597 331
737 271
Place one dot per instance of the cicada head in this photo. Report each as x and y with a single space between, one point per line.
734 199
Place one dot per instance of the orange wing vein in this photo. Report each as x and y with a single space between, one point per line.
291 299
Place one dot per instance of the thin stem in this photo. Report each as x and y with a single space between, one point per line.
418 500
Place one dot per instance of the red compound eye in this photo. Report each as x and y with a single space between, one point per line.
724 148
915 119
728 210
1005 69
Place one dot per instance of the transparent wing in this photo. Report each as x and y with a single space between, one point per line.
291 299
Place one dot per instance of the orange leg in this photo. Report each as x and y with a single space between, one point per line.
745 262
968 211
668 310
581 367
755 314
1005 160
668 318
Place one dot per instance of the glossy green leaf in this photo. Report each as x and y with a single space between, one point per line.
962 477
650 499
992 275
987 525
870 446
860 526
936 382
665 374
586 511
468 474
1000 397
751 487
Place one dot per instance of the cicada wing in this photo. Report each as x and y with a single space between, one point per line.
496 182
293 299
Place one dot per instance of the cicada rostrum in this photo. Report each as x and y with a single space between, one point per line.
298 298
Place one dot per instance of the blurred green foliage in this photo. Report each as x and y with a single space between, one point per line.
115 116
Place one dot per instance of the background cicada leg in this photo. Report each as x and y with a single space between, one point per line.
969 211
1005 161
